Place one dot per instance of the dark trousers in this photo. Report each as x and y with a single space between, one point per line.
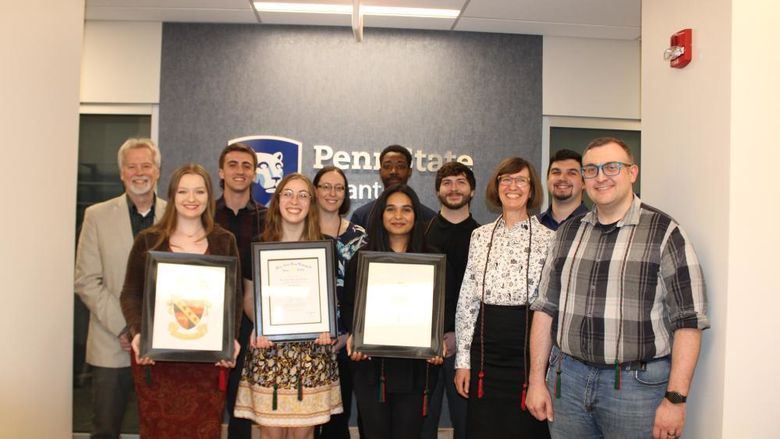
338 426
111 388
455 402
399 417
238 428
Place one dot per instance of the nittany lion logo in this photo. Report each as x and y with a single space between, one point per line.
270 170
276 157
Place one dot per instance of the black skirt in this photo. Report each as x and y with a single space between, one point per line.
499 413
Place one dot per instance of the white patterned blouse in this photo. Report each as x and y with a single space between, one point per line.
505 273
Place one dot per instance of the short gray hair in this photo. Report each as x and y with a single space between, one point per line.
133 143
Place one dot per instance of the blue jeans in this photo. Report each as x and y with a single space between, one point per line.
591 407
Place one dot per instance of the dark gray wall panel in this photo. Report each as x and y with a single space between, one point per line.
470 93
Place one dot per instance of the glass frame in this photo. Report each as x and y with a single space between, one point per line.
282 270
367 285
184 344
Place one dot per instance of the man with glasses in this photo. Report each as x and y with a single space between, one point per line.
105 240
395 163
564 184
622 304
237 212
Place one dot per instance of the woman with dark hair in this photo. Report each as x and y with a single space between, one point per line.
333 202
178 398
398 412
288 388
493 315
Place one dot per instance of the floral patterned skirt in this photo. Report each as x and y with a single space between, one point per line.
289 385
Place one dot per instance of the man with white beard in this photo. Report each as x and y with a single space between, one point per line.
107 235
564 184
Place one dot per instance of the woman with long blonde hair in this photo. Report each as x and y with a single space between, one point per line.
288 388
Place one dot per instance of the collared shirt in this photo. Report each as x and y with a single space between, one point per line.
548 220
618 292
245 226
504 271
139 222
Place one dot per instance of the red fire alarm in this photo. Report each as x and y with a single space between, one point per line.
681 51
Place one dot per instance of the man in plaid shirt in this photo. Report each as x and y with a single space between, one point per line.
622 306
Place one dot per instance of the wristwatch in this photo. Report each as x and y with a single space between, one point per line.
675 397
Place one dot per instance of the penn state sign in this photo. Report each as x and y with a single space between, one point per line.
276 157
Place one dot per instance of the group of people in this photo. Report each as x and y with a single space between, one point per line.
568 323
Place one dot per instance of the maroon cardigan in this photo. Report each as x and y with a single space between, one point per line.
221 242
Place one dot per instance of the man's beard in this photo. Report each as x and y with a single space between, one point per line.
466 198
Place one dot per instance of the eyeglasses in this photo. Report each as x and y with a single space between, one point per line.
327 187
289 194
609 169
506 180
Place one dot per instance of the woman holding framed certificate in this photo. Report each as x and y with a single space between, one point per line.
333 202
391 393
187 311
288 387
493 317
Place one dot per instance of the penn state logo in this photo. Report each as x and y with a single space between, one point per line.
276 157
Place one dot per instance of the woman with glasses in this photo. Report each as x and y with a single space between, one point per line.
288 388
333 202
178 399
493 318
391 393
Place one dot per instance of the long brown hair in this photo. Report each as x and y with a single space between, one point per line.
273 219
167 223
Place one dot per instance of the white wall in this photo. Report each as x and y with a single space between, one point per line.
751 387
40 44
121 62
590 78
706 160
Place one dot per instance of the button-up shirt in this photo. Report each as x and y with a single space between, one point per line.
500 255
246 226
138 221
548 220
619 291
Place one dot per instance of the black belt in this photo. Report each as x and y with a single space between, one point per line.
627 365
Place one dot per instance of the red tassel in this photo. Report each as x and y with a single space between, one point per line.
425 403
480 389
222 380
522 397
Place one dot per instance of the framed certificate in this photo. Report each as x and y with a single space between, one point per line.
399 304
189 307
295 289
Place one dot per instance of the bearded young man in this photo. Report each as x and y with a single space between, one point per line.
564 184
449 232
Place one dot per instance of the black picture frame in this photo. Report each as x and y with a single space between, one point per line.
199 297
401 267
301 277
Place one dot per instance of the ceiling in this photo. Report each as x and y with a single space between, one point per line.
612 19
